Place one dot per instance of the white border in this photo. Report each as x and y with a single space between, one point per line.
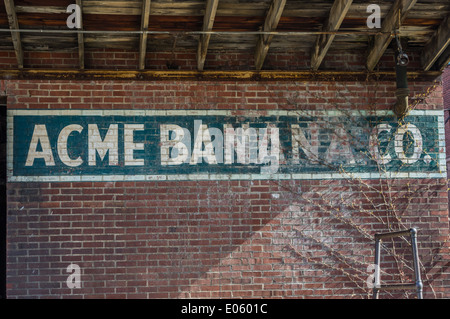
206 176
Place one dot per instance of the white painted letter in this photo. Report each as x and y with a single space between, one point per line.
62 145
74 280
109 145
339 148
202 137
74 20
40 136
130 146
311 149
243 140
180 151
374 144
274 157
417 141
374 20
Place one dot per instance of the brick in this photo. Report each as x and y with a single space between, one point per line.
214 239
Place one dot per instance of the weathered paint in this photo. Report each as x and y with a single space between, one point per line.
70 145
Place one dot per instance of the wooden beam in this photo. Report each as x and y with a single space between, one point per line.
443 60
270 24
143 37
437 45
396 14
146 75
80 37
14 25
337 14
208 22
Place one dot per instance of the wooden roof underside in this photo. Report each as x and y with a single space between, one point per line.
215 25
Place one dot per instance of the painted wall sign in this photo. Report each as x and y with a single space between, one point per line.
78 145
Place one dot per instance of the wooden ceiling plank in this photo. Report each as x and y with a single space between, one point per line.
143 37
438 44
208 22
41 9
270 24
390 23
14 25
80 37
337 14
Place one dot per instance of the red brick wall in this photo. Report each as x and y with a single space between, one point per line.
211 239
186 60
446 94
446 85
214 95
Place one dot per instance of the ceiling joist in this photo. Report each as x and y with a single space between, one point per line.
14 25
337 14
144 36
444 60
80 37
270 25
313 28
208 22
395 16
435 49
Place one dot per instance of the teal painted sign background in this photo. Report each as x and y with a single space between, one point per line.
125 144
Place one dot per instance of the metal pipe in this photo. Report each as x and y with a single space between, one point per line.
376 286
417 277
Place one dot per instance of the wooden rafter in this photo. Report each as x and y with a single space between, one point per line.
80 37
444 59
435 49
14 25
270 24
337 14
396 15
143 37
178 75
208 22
